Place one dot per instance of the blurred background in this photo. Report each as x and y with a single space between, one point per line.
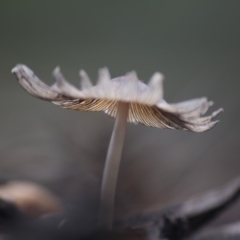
195 44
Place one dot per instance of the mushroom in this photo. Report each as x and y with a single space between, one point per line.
32 199
128 100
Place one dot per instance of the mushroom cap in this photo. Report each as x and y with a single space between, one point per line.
32 199
146 103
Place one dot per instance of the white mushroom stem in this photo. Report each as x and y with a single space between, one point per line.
111 167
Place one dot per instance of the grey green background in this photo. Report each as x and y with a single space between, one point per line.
195 44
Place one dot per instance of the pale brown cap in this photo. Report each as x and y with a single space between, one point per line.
147 105
32 199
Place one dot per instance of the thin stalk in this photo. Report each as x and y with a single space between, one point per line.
111 167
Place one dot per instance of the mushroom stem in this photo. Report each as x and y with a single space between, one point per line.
111 167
